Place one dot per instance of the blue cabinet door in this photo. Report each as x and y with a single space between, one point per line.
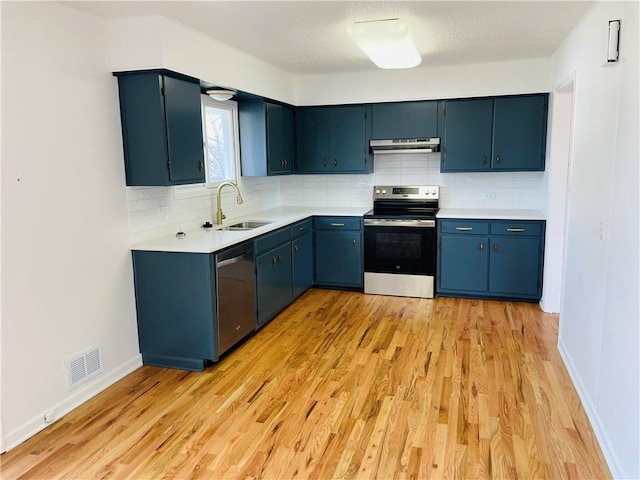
313 135
273 282
176 308
339 258
405 120
463 263
519 138
467 139
515 266
161 129
302 258
266 137
332 140
279 138
349 146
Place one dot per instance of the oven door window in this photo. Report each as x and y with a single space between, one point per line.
407 250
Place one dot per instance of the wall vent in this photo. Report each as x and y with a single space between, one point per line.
84 366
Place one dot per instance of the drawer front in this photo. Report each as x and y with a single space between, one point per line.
338 223
302 227
270 240
517 228
467 227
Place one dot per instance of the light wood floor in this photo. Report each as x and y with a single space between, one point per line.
342 385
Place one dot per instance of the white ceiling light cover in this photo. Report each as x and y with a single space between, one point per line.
387 43
221 94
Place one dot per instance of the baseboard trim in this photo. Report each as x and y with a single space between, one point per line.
601 435
29 429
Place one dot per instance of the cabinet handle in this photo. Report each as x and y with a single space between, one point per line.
464 229
354 242
285 162
495 247
279 258
481 247
274 261
337 224
324 162
515 229
282 162
295 248
200 165
497 158
484 160
301 229
335 162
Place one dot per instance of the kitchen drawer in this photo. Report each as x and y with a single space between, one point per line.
467 227
517 228
338 223
302 227
270 240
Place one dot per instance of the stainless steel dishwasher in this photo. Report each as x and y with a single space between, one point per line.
236 287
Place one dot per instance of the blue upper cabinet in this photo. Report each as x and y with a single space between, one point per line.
333 139
405 120
519 133
494 134
161 129
266 137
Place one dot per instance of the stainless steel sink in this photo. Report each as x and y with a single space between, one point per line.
249 225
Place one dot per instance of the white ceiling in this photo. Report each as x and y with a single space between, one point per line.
309 37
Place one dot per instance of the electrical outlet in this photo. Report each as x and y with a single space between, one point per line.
601 230
489 196
49 416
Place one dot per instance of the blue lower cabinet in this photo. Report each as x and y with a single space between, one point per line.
490 258
464 263
338 252
515 266
176 308
273 281
302 259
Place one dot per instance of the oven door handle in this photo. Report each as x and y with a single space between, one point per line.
400 223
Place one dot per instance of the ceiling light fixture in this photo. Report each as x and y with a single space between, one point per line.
221 94
386 42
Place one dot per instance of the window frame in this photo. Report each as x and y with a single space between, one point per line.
202 189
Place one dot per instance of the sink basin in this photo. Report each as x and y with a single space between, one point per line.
249 225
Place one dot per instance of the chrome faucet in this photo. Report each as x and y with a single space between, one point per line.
219 215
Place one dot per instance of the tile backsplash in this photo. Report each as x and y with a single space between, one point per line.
523 190
157 211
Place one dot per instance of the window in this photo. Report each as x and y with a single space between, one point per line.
219 129
220 143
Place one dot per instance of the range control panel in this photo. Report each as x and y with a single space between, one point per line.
421 192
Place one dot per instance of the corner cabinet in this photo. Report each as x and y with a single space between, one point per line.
161 129
333 139
494 134
339 252
266 137
490 258
176 308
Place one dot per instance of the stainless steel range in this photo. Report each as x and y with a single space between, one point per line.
400 241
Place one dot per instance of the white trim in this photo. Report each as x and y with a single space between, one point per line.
608 451
29 429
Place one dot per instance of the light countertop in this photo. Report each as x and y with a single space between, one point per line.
209 240
490 214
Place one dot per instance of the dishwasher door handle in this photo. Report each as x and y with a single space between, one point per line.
230 261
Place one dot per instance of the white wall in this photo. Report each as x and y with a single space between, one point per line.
600 312
66 269
159 42
483 79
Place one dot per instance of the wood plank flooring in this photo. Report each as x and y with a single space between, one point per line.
342 385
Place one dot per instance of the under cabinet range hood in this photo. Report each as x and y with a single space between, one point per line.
405 145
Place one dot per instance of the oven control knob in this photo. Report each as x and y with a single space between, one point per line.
384 191
377 191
